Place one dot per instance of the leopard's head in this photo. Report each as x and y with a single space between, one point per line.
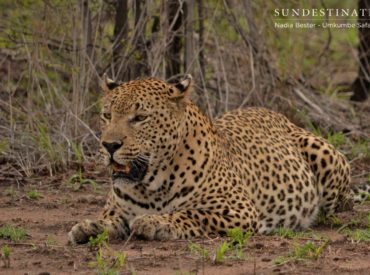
142 124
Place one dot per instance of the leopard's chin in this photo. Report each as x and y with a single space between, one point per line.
134 170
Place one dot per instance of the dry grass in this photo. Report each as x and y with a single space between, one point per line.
53 52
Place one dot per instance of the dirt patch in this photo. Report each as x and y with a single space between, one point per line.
48 218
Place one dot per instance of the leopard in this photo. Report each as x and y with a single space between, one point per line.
178 174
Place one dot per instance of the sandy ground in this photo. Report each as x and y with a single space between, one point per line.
49 218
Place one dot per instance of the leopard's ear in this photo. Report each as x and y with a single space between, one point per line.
183 87
108 84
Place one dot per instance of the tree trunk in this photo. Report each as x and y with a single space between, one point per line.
174 21
119 34
140 66
87 28
361 86
201 37
189 41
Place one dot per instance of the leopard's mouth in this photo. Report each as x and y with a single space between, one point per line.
134 170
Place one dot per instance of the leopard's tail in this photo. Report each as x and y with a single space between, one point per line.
361 192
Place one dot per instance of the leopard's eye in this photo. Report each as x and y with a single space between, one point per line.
107 116
138 118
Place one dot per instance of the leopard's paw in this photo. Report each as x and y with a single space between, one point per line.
81 232
153 227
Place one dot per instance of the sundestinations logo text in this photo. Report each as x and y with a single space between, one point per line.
320 18
321 12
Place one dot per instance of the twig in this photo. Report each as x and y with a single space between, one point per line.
309 102
35 244
354 159
360 175
128 239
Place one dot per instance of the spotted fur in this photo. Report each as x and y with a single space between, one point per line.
190 176
361 192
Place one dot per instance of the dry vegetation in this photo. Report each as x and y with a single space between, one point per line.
53 52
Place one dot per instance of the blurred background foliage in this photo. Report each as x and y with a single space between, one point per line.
53 53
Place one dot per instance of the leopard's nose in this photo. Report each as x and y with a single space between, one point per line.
112 146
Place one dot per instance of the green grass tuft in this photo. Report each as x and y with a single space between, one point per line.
11 192
291 234
361 148
238 239
109 264
220 252
361 235
6 255
78 180
99 240
9 231
198 249
308 250
107 261
286 232
34 194
337 139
